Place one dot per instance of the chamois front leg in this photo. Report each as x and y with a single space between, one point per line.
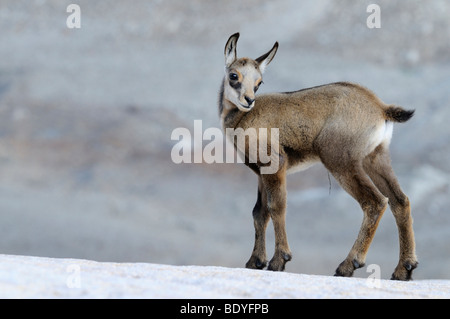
275 187
260 219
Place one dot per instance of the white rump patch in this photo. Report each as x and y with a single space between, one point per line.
381 135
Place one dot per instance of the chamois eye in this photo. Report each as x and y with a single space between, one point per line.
233 77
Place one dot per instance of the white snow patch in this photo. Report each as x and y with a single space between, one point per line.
37 277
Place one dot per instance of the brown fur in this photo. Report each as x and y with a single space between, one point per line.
343 125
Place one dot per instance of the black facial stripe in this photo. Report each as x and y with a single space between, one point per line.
235 85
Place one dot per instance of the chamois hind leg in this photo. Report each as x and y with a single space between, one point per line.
260 220
275 188
356 182
378 166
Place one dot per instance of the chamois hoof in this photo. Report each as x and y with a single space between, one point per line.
255 263
346 268
278 262
404 271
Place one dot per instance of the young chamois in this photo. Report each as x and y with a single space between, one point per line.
344 126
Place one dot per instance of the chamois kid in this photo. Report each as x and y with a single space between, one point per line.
343 125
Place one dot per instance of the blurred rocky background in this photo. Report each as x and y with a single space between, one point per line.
86 117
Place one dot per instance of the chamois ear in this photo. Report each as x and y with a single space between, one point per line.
265 59
230 49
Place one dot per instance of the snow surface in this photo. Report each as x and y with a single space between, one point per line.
38 277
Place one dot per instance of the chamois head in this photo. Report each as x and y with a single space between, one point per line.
243 76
